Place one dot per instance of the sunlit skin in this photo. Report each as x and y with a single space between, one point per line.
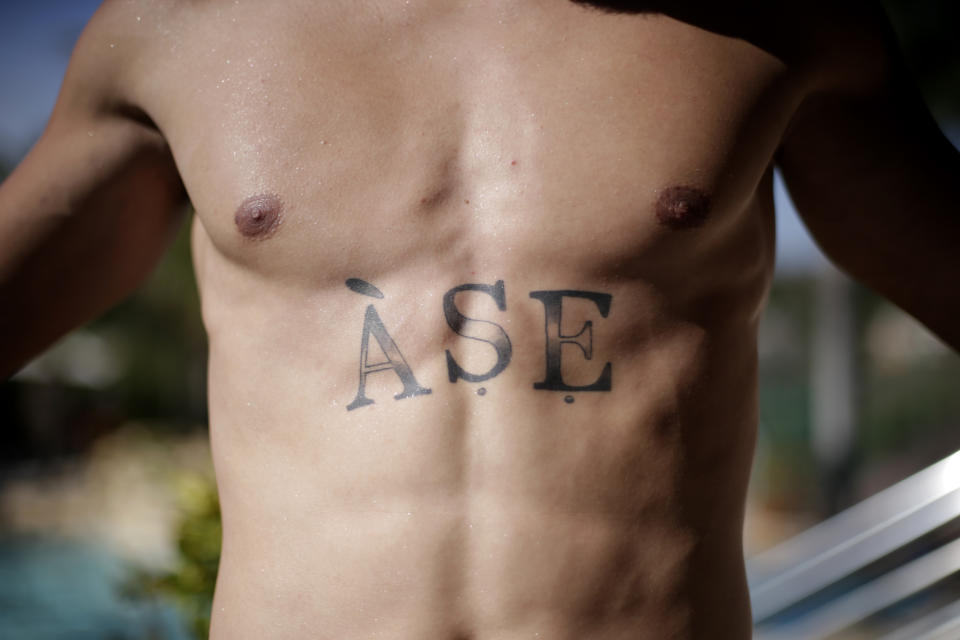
560 449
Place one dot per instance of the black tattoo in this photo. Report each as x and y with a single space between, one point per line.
364 288
482 330
395 361
555 339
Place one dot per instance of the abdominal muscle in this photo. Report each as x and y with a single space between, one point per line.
487 509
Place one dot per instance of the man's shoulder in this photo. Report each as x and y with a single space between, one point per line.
126 44
846 46
112 46
829 43
114 64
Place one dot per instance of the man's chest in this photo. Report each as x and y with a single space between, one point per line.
502 134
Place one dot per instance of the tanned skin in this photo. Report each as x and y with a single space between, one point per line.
481 282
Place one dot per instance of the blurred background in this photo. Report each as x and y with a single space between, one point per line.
109 523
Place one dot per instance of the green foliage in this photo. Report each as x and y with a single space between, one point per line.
190 583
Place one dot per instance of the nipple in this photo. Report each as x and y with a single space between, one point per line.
259 216
682 207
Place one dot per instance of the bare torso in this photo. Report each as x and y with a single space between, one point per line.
481 280
578 166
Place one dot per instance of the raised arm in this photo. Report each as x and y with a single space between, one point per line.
875 180
89 211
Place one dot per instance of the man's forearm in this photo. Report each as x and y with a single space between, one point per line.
66 255
879 187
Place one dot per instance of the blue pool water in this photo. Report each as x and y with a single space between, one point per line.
54 589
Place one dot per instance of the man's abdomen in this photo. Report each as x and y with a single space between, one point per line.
416 465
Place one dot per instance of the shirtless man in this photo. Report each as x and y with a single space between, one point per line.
481 281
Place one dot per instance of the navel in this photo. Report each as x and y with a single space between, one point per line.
682 207
259 216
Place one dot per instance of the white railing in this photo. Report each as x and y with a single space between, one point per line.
852 540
